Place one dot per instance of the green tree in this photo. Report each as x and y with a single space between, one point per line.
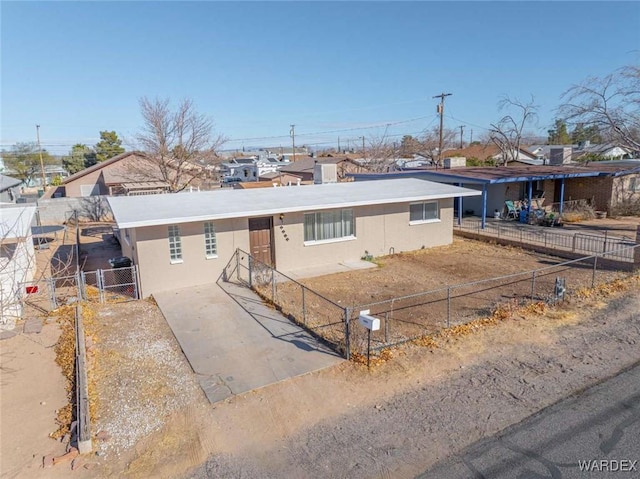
559 135
591 133
77 158
23 161
108 147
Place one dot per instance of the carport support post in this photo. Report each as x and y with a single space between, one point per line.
529 198
561 197
347 342
484 205
459 200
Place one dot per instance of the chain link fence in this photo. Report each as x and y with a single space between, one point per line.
100 286
425 313
321 316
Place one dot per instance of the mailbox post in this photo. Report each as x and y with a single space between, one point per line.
372 324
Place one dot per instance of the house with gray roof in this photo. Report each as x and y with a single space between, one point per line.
182 240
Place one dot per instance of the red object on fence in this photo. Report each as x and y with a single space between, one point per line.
32 289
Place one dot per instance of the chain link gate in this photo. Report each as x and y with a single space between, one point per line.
111 285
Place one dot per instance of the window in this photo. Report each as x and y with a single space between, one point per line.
175 244
210 245
424 212
328 225
634 184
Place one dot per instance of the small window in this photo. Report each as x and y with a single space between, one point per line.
634 184
175 244
210 245
427 211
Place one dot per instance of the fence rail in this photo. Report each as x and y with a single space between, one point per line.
420 314
610 246
102 286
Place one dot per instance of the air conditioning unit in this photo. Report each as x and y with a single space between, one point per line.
325 174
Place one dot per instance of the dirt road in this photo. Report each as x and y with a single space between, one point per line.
417 409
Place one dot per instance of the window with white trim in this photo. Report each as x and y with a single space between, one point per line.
634 184
328 225
425 211
210 244
175 244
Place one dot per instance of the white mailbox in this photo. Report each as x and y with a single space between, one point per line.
369 322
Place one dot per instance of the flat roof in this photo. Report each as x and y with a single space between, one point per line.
501 174
506 174
152 210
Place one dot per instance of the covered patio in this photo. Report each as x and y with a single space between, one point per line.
531 186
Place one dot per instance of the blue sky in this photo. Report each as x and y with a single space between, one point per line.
76 68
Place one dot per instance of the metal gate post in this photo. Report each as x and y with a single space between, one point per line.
273 284
134 275
533 284
386 327
52 293
593 276
83 286
448 306
347 342
250 272
304 307
100 281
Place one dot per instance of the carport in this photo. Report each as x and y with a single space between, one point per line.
484 178
235 343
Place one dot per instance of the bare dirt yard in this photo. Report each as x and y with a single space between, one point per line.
432 270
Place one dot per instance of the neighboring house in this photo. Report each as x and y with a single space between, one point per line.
603 184
185 240
578 151
9 189
610 151
250 169
116 176
17 261
280 178
304 167
488 152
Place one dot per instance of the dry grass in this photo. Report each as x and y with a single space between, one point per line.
66 357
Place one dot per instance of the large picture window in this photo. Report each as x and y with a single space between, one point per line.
328 225
175 244
210 245
424 212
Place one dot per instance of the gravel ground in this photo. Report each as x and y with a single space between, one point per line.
505 374
139 375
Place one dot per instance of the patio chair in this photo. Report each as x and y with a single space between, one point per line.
512 211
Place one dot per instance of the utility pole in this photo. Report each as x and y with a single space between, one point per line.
440 110
471 140
292 132
363 151
461 129
339 151
44 178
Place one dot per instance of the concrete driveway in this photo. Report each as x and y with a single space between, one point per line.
235 343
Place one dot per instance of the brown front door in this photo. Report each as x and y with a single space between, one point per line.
260 239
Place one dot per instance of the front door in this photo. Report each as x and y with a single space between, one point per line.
260 235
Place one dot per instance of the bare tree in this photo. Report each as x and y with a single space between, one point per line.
380 153
180 145
428 144
507 133
611 103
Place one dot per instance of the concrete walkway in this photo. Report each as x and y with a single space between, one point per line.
235 343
